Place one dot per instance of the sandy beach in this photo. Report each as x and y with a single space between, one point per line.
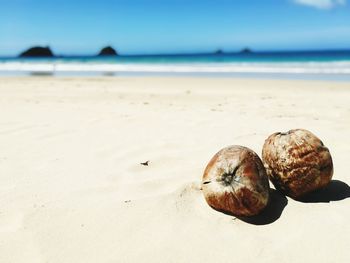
72 188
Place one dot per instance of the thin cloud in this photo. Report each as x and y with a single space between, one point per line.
321 4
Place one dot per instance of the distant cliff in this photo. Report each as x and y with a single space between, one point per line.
108 51
37 52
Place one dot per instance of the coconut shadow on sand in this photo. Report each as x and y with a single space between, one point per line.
335 191
272 211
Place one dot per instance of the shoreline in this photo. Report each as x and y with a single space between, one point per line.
179 78
342 78
323 65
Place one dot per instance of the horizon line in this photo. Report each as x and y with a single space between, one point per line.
218 52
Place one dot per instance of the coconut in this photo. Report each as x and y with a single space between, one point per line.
235 182
297 162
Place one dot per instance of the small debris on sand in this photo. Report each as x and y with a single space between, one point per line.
145 163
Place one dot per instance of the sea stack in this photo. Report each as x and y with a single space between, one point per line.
108 51
246 50
37 52
297 162
219 52
235 182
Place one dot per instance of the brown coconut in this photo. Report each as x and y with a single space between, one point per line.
235 182
297 162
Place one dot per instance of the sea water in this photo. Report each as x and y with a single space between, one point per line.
332 65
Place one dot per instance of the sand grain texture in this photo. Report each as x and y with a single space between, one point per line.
72 188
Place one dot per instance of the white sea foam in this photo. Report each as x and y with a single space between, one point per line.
243 67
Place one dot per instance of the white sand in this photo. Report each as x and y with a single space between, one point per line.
72 188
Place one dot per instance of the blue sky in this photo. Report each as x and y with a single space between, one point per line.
168 26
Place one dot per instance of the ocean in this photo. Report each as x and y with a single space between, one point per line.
318 65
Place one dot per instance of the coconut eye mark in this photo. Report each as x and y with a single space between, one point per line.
229 177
